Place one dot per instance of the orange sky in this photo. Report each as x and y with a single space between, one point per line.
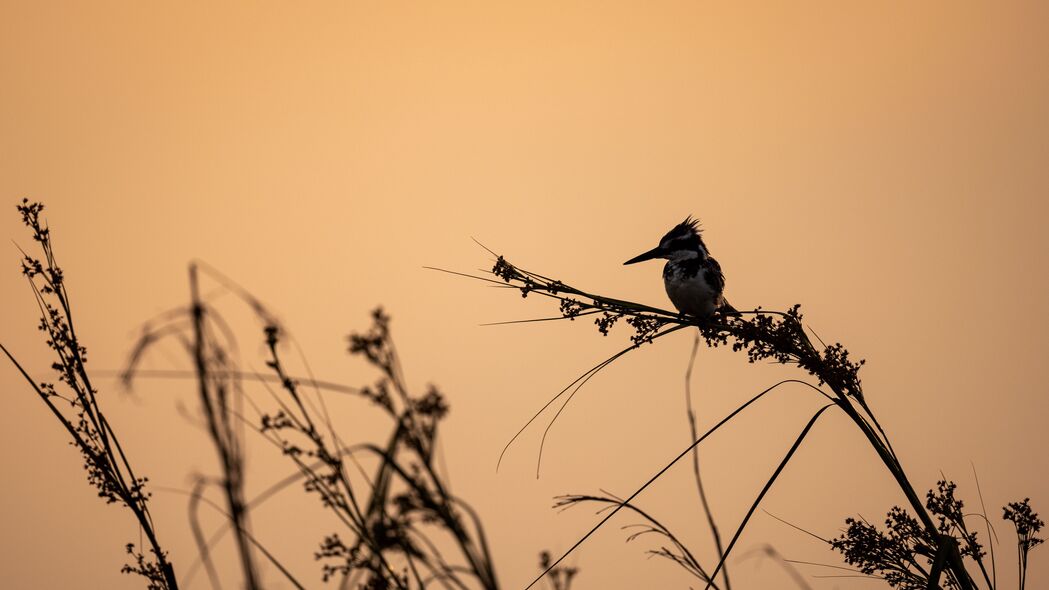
884 165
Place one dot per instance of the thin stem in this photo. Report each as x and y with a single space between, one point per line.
231 467
658 474
768 486
695 459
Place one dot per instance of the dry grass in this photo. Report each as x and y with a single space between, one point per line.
398 525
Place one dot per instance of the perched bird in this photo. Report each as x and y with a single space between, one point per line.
693 279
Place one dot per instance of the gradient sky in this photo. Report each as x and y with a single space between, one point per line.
883 164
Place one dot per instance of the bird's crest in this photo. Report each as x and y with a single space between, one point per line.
687 228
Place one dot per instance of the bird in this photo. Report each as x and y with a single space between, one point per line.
693 279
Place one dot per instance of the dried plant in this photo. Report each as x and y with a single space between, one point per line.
211 348
74 402
394 520
560 576
394 523
936 526
400 528
1027 524
676 551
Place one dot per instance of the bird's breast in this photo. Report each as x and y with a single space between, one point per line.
690 295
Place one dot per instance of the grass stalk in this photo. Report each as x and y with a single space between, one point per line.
778 336
695 461
214 395
108 467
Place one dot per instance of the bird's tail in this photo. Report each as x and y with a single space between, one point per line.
726 308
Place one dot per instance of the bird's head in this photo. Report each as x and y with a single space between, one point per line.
680 243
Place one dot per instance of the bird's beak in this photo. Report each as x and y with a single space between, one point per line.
653 253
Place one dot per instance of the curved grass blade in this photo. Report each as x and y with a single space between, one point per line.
768 485
659 474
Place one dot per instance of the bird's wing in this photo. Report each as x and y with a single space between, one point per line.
716 279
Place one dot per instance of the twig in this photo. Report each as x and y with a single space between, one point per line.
695 459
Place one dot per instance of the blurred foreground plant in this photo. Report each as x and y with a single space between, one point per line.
401 527
395 524
406 502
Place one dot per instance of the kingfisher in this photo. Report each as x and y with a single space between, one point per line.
693 279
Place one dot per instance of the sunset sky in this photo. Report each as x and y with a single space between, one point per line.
884 164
